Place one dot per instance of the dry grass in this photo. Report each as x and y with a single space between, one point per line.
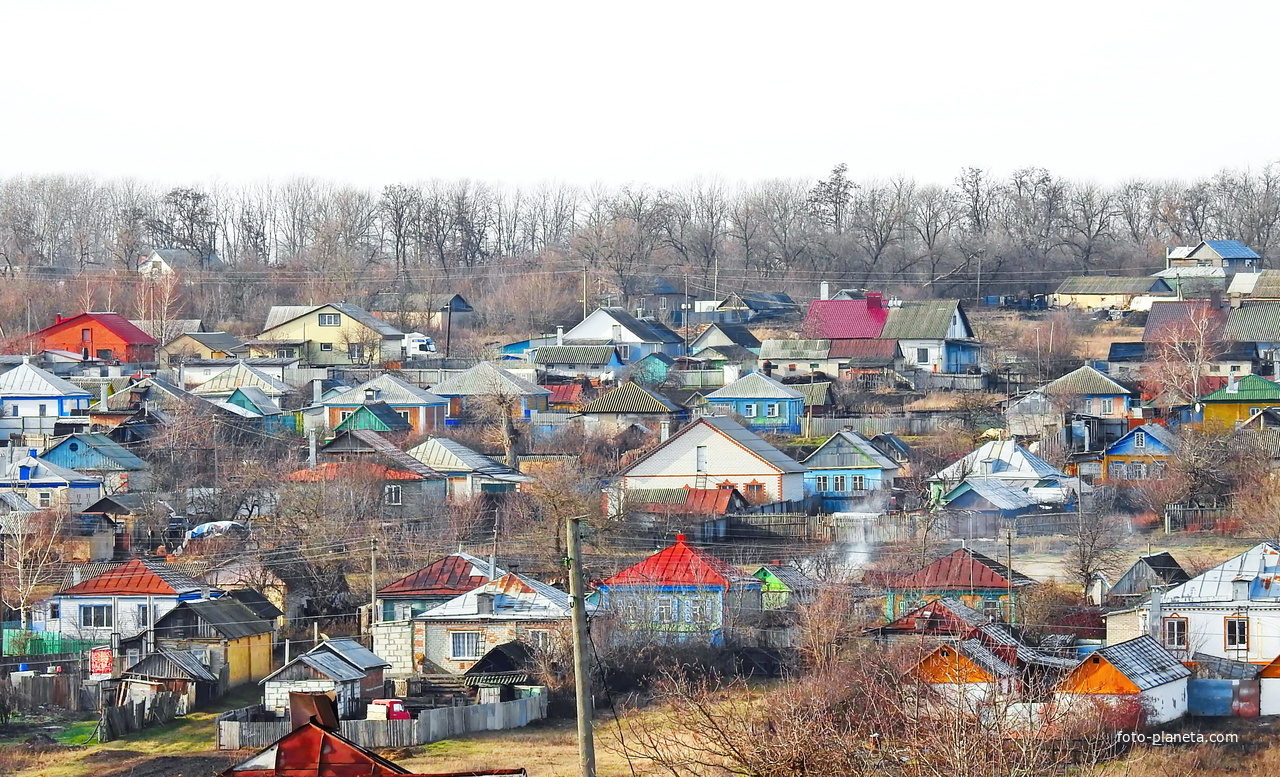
546 749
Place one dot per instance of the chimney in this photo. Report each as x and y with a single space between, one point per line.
493 565
204 592
1232 386
102 395
875 300
1155 616
664 431
75 576
824 290
484 604
559 335
680 538
317 391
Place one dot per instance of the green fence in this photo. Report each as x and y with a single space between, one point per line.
22 642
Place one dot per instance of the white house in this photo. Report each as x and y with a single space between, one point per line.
633 338
33 401
1137 670
470 473
713 452
47 485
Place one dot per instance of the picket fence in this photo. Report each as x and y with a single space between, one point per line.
236 730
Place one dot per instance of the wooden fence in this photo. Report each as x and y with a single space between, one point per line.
237 730
913 425
63 690
135 716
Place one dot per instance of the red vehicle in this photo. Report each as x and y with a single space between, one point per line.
387 709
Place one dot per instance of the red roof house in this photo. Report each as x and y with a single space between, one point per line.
979 582
438 582
141 577
843 319
106 336
125 599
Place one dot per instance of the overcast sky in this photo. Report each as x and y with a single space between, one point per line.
373 93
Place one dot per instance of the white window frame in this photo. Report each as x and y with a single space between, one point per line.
667 610
1108 406
540 639
1139 439
1178 632
749 410
93 610
329 319
697 610
477 636
840 484
771 410
1240 639
821 483
355 351
922 356
326 346
393 495
45 499
857 482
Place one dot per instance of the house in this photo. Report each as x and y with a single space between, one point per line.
789 358
105 336
654 296
845 469
406 493
125 600
683 593
713 452
630 404
632 337
847 319
98 455
434 584
697 512
1230 611
218 632
782 585
946 619
1138 671
199 345
966 671
1099 292
566 397
441 310
423 410
870 363
933 336
652 369
454 635
167 262
1155 570
469 473
376 416
1257 323
334 334
176 671
979 582
762 402
1231 255
718 335
239 375
1234 403
1142 454
351 672
165 329
573 361
47 485
262 413
484 382
1006 461
747 306
718 357
975 507
37 402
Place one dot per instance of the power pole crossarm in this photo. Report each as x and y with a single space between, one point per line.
581 666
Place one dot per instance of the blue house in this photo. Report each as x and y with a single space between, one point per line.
37 402
764 404
46 485
97 454
845 470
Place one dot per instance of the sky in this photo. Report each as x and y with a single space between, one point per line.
659 93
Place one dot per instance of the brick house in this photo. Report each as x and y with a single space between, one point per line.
106 336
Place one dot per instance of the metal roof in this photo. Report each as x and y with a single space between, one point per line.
385 450
589 355
1230 249
1172 321
1143 661
137 576
815 394
227 381
923 320
1216 667
328 664
751 441
1256 570
1246 284
227 616
352 652
1112 284
681 501
105 447
15 503
1086 381
1000 494
264 404
445 455
981 655
999 459
862 446
728 353
962 570
258 604
27 380
158 328
1254 322
452 575
514 597
800 350
869 352
678 565
629 397
1250 388
795 580
738 334
40 471
214 341
115 323
648 330
484 379
565 394
1127 352
846 318
387 388
171 665
755 385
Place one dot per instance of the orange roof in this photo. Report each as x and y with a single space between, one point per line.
135 577
335 469
566 394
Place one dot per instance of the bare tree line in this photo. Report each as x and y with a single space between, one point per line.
1013 232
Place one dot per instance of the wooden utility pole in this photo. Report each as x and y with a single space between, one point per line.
581 666
373 583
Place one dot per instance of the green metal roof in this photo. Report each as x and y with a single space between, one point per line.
629 398
1086 382
1111 284
1250 388
920 320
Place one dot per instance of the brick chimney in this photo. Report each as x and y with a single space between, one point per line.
875 300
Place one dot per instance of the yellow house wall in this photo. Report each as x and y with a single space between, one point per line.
1122 627
308 328
1228 413
187 347
249 658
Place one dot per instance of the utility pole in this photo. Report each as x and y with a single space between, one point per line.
581 678
1009 578
584 292
373 581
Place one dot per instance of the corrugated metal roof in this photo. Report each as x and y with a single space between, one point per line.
227 616
1144 661
157 328
387 388
352 652
1250 388
1112 284
15 503
40 471
27 380
106 447
115 323
1230 249
981 655
923 320
963 570
845 319
629 397
454 574
1177 321
327 664
567 394
214 341
1216 667
873 351
1085 381
171 665
815 394
1000 494
1257 569
727 353
589 355
445 455
485 379
681 501
755 385
514 596
1000 459
681 564
136 577
795 580
800 350
281 314
1254 322
227 381
258 604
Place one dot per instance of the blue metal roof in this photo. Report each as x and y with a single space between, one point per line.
1232 249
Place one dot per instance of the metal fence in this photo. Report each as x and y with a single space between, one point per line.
20 641
237 730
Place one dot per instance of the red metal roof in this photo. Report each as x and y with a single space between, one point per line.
117 324
450 576
335 469
681 564
838 319
565 395
963 570
848 348
132 577
697 501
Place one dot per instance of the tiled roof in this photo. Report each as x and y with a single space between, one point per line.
1086 381
680 501
755 385
1254 322
136 577
921 320
1144 662
566 394
681 564
629 397
963 570
485 379
1172 321
1250 388
387 388
843 319
590 355
452 575
27 380
800 350
1111 284
115 323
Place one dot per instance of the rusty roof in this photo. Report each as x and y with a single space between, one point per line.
333 470
681 501
963 570
681 565
452 575
137 577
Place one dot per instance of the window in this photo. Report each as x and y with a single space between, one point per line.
343 415
464 644
46 498
1137 470
1237 633
1115 470
1252 410
697 610
624 352
666 610
1139 439
1175 632
857 483
405 415
840 481
355 351
922 356
326 346
755 491
392 495
1108 405
771 410
820 483
1235 368
95 615
284 353
749 410
330 319
44 409
13 410
1158 470
55 611
131 657
540 638
992 608
662 303
144 616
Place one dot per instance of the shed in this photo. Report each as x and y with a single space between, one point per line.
179 671
317 673
1139 669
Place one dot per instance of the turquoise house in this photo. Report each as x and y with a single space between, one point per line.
764 404
845 469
